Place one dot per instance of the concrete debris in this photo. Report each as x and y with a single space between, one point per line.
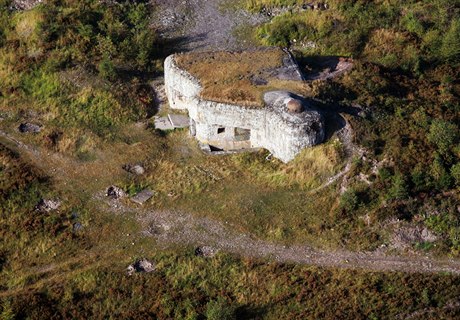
115 192
142 265
171 122
142 196
179 121
206 251
136 169
47 205
29 128
163 123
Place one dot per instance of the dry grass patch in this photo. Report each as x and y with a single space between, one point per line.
238 77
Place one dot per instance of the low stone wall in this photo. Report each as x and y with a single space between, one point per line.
272 127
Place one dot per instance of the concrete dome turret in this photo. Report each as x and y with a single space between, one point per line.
294 106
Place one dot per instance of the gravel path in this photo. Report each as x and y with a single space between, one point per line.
180 228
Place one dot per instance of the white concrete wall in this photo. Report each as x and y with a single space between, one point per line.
272 128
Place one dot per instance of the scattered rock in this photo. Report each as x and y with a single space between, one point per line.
142 265
47 205
136 169
406 236
24 4
206 251
115 192
142 196
29 128
77 226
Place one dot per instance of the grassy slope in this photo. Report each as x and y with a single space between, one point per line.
82 274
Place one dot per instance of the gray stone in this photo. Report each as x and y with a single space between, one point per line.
115 192
136 169
142 196
24 4
77 226
47 205
206 251
142 265
29 128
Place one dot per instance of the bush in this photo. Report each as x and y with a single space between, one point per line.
106 69
450 48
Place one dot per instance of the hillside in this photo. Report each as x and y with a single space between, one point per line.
363 226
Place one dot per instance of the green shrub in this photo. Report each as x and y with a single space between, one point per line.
455 172
106 69
443 135
398 189
450 48
219 310
349 200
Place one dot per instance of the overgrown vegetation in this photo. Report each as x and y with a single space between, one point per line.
50 276
238 77
405 78
50 58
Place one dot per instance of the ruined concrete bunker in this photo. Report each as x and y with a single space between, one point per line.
256 104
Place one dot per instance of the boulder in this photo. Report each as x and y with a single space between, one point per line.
142 196
29 128
206 251
47 205
142 265
136 169
115 192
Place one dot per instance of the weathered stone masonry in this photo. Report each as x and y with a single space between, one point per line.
231 127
